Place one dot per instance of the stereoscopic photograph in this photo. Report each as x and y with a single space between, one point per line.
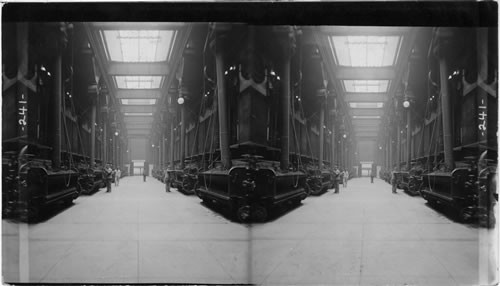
262 143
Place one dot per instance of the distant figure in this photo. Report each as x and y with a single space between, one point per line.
346 177
108 172
371 177
166 179
118 174
144 175
393 182
336 174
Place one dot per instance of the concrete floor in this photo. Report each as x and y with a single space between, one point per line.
139 234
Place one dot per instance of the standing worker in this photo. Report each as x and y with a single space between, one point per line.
144 175
336 174
108 172
393 182
166 179
118 174
346 177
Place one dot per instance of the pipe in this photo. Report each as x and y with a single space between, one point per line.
222 108
285 113
333 142
445 105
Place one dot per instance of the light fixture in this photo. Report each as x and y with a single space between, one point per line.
153 145
180 100
116 133
406 103
380 147
345 135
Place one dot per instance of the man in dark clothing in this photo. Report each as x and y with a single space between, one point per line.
108 172
393 182
144 175
336 174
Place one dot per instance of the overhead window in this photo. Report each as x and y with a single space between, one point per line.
138 114
366 104
138 82
138 101
366 85
365 51
138 45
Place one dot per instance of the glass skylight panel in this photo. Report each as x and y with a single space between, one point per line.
138 114
365 51
138 45
366 85
366 104
138 82
366 117
138 101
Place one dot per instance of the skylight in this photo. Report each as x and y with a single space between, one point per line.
138 101
366 85
138 45
366 104
366 117
138 114
142 82
365 51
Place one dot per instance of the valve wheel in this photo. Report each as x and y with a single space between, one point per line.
259 213
243 213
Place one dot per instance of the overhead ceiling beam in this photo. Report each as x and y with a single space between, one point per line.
143 69
366 134
365 73
138 125
362 31
138 119
137 25
365 122
367 129
365 97
137 108
138 131
138 93
366 111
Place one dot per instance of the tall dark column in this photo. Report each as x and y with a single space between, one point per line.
443 50
57 100
183 135
104 143
408 138
398 146
222 108
321 135
285 103
171 142
93 116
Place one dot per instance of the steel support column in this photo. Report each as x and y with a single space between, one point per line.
222 109
57 95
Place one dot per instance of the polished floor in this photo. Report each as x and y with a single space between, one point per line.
138 233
